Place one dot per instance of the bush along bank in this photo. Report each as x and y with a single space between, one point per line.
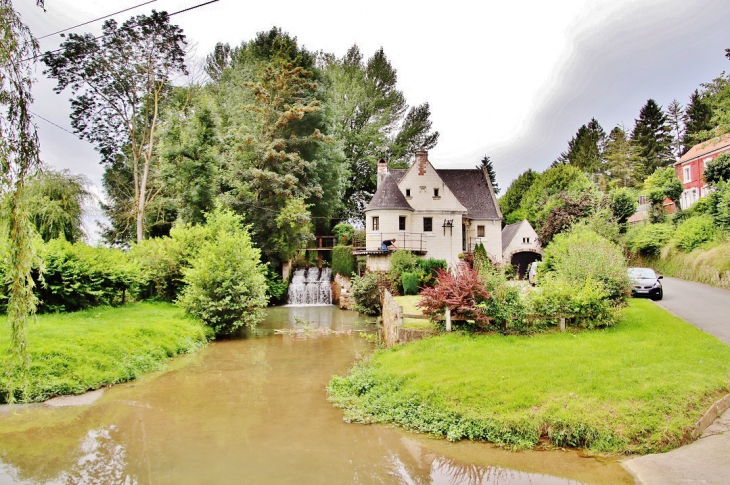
636 387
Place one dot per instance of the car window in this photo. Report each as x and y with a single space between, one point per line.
644 273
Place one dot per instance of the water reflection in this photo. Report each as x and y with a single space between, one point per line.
254 411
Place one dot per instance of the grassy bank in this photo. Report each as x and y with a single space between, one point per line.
409 307
75 352
709 264
636 387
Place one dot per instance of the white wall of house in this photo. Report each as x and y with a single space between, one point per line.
492 238
525 240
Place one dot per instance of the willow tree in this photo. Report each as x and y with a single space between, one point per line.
18 160
120 80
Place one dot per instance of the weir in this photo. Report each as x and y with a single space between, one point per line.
310 286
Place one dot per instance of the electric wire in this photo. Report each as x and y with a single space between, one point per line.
104 35
54 124
97 19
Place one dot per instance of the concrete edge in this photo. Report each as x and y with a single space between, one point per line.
715 411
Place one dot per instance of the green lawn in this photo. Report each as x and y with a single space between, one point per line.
639 386
75 352
409 306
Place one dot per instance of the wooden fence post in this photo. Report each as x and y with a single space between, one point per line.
448 319
562 324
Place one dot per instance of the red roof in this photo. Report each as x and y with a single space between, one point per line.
706 147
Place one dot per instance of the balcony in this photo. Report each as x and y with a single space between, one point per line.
409 241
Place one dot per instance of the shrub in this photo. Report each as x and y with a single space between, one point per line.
428 269
505 305
343 261
693 232
582 255
461 292
562 212
648 239
344 233
77 276
275 286
226 287
409 282
557 296
623 204
401 261
366 292
481 259
718 170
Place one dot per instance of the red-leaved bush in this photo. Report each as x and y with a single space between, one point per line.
460 291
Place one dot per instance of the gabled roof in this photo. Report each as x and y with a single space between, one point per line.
509 232
473 191
388 196
705 148
398 173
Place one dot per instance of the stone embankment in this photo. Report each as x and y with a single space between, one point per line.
392 319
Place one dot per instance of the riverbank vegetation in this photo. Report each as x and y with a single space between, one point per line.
72 353
636 387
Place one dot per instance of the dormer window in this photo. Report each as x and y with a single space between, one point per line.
435 193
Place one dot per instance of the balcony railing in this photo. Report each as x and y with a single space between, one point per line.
409 241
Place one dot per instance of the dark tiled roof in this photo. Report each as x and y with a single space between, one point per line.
509 232
472 190
388 196
398 173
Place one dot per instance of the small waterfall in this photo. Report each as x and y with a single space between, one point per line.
310 286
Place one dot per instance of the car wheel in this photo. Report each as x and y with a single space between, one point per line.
658 296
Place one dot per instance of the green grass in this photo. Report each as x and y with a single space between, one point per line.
72 353
409 306
638 386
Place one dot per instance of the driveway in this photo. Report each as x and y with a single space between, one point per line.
704 306
707 460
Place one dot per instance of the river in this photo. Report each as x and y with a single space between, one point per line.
254 410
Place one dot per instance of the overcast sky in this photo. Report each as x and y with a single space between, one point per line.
513 80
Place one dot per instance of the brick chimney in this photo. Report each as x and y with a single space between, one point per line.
421 161
382 170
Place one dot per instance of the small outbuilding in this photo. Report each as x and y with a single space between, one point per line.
520 246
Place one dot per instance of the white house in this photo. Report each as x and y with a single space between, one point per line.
433 213
520 246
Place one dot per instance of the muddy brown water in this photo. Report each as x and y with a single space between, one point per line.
254 410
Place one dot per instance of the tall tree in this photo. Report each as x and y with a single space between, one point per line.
18 160
585 149
120 80
414 134
512 199
487 163
698 116
675 119
621 159
653 139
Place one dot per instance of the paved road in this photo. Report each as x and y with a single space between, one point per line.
704 306
707 460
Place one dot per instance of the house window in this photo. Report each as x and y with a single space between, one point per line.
480 231
687 174
402 223
408 192
427 224
376 223
525 240
435 192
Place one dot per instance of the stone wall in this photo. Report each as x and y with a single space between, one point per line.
392 319
342 292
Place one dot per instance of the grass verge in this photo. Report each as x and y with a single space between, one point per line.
636 387
72 353
409 307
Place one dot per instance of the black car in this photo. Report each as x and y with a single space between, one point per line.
645 282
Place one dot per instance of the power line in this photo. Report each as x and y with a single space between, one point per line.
104 35
97 19
54 124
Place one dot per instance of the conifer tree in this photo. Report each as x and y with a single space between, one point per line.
653 139
585 149
675 118
487 163
698 116
621 160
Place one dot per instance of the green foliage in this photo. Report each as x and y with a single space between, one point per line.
72 353
505 304
511 199
343 261
662 184
275 287
653 139
225 283
564 210
594 390
409 283
561 178
621 159
481 259
698 116
55 201
428 269
623 204
293 230
401 261
648 239
691 233
77 276
585 149
344 233
487 164
718 170
581 255
588 303
366 292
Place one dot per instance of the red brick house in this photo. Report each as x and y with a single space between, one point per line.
691 166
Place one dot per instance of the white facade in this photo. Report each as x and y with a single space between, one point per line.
524 239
